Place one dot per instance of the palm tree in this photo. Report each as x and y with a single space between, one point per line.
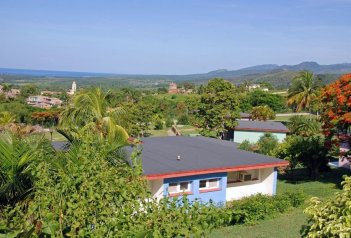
89 114
304 126
6 118
302 91
18 156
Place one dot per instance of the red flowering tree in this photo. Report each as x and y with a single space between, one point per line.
336 115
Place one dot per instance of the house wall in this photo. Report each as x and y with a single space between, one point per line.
216 196
156 188
254 136
265 185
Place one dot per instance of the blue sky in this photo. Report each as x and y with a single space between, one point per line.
171 37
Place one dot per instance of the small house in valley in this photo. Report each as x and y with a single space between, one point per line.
253 130
206 169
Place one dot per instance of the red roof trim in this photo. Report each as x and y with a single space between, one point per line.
215 170
259 129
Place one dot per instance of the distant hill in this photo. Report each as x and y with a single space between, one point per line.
278 75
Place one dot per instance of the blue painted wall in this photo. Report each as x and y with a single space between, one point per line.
254 136
215 196
275 176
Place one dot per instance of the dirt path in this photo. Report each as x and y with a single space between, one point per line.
171 133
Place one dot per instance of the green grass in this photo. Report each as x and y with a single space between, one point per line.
285 225
288 224
55 136
158 132
185 130
282 118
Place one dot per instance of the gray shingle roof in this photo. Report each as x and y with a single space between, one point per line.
159 155
261 126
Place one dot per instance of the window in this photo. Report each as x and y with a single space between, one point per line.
179 187
209 184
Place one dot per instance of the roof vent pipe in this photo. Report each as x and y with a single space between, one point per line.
178 158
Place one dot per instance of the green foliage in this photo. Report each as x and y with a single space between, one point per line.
308 151
330 218
169 122
139 117
246 145
18 158
80 193
89 113
304 126
261 98
218 108
183 120
19 108
262 113
259 207
303 91
28 90
6 118
159 124
267 143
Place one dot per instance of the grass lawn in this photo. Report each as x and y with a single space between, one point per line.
55 136
185 130
288 224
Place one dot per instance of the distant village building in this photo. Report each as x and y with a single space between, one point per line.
43 101
257 86
73 90
173 89
12 93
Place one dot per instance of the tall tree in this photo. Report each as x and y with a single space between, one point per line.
303 91
218 107
336 114
89 113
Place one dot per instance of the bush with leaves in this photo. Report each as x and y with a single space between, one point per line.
267 143
19 156
262 113
252 209
304 126
246 145
183 120
80 193
307 151
89 191
330 218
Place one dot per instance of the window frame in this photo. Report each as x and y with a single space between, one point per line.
218 187
178 190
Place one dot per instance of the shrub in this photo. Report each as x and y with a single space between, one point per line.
169 122
159 125
246 145
259 207
183 120
330 218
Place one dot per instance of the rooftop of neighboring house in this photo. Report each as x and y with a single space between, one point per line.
175 156
263 126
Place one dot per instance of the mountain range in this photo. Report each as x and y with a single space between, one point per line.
278 75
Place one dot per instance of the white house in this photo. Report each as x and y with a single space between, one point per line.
206 169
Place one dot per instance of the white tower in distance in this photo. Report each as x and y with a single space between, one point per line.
73 90
74 87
